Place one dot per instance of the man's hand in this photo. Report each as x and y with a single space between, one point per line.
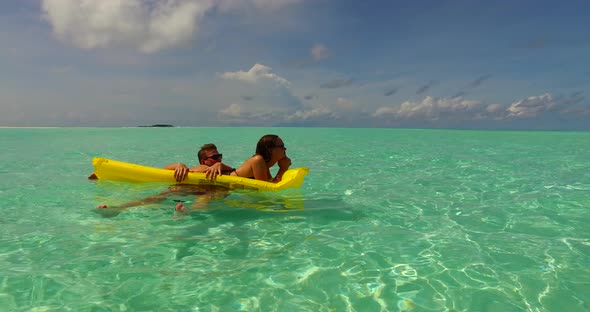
213 171
285 163
180 173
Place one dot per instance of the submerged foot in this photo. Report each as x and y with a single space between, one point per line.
107 212
180 208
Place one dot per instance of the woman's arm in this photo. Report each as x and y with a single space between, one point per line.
284 165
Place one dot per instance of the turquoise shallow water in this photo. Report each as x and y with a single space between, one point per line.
394 220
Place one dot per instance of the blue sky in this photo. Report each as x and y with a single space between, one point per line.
337 63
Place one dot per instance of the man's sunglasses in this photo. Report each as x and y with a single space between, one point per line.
215 157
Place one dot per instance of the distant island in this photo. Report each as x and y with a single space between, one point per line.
158 126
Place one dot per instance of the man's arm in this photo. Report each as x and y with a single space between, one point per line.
199 168
174 166
180 171
116 209
211 172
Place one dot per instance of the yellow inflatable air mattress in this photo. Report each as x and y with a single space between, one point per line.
113 170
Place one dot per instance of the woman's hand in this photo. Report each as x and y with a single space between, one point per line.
285 163
213 171
180 173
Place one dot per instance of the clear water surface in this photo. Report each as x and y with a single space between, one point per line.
394 220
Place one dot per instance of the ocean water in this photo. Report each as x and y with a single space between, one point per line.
393 220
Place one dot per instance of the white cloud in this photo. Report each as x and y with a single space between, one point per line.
256 73
495 108
147 26
318 112
385 111
273 94
234 110
319 52
430 108
173 24
531 106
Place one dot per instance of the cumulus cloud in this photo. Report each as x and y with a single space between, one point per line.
273 93
458 108
385 111
340 110
234 110
430 108
133 23
147 26
531 106
314 113
256 73
534 106
495 108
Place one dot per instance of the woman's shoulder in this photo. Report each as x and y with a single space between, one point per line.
254 160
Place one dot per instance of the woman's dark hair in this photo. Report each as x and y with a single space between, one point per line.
265 145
